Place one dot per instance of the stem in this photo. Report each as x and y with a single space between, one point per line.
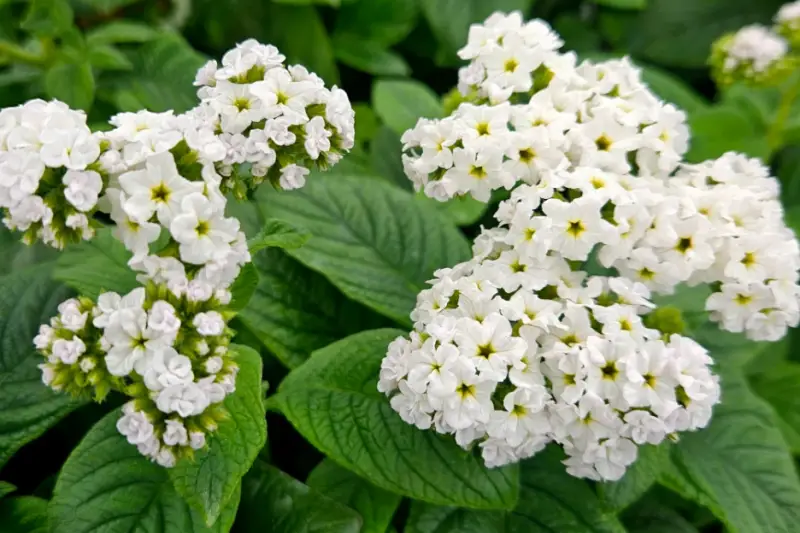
784 110
16 52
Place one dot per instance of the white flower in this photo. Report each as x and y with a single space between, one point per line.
186 399
756 45
213 364
162 318
135 426
168 368
202 231
82 188
68 352
136 236
317 137
133 344
209 323
44 338
71 316
197 440
74 149
175 433
293 177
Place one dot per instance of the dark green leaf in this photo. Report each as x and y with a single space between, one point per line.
368 56
578 36
450 19
162 78
274 502
780 386
121 31
376 243
743 464
209 481
26 514
385 22
640 476
718 130
278 234
48 18
366 123
243 287
296 311
680 32
376 506
107 486
103 7
652 517
97 266
106 57
28 298
788 171
623 4
72 83
334 3
550 501
385 152
400 103
333 401
6 489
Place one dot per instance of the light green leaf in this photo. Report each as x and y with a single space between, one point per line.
718 130
385 22
376 243
162 78
385 152
121 31
462 210
6 489
28 298
550 501
333 401
243 287
274 502
48 18
680 32
366 123
296 311
97 266
743 464
72 83
107 486
376 506
368 56
26 514
450 19
652 517
780 386
400 103
278 234
650 464
209 481
107 57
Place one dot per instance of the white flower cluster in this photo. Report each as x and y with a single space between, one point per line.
755 46
598 116
49 177
512 352
280 121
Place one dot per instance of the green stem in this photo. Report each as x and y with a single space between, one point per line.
774 136
17 53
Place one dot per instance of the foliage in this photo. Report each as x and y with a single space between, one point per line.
338 264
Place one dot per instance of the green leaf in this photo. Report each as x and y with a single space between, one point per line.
107 57
742 462
717 130
26 514
550 501
368 56
107 486
385 152
376 243
450 19
334 3
577 35
367 123
650 464
102 7
333 401
680 32
278 234
653 517
243 287
97 266
162 78
780 386
384 22
274 502
121 31
296 311
788 171
462 210
6 489
623 4
300 34
48 18
376 506
400 103
28 298
72 83
209 481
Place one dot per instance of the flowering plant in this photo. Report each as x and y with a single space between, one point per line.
561 297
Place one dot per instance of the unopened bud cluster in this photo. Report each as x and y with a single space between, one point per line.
521 346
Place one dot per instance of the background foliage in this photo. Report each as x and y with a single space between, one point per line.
368 246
